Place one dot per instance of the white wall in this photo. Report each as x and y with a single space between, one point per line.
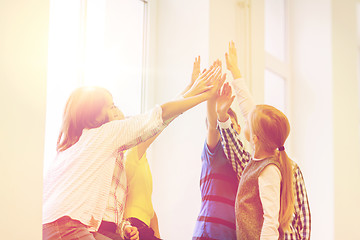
312 122
346 118
23 60
325 112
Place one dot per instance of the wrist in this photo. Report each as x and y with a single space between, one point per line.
236 73
124 224
223 117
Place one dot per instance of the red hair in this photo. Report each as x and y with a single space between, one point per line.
272 128
81 111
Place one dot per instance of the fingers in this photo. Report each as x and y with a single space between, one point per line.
225 90
197 63
196 69
232 48
211 73
221 81
232 45
231 100
132 233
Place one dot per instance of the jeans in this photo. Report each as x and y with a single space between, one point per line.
66 228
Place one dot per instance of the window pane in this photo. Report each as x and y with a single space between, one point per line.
274 90
114 50
93 42
275 28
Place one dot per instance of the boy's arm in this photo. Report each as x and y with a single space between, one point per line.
233 147
241 90
213 135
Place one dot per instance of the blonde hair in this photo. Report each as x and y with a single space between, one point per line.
81 110
272 128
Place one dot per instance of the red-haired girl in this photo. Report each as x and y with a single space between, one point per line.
265 198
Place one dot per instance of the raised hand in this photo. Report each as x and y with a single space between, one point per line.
205 81
223 102
194 76
196 70
232 62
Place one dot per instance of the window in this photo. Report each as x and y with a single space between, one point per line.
276 54
94 42
274 85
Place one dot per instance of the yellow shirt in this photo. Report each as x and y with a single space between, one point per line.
140 186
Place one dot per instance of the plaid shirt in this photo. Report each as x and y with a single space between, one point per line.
239 157
117 196
115 206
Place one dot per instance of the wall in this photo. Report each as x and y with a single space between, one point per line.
312 125
325 112
346 118
23 59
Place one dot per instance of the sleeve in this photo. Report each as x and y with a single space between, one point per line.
127 133
208 155
269 189
233 147
302 221
243 95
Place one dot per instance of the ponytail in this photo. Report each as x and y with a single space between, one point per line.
286 192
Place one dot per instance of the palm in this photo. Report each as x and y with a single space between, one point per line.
224 101
196 69
231 57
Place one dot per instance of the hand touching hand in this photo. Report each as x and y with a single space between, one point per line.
131 233
194 76
217 81
205 81
231 61
223 103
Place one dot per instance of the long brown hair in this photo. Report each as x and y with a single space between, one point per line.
81 110
272 128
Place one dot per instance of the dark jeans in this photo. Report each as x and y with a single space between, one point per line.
108 229
145 232
66 228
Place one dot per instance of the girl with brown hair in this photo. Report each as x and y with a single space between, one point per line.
78 185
